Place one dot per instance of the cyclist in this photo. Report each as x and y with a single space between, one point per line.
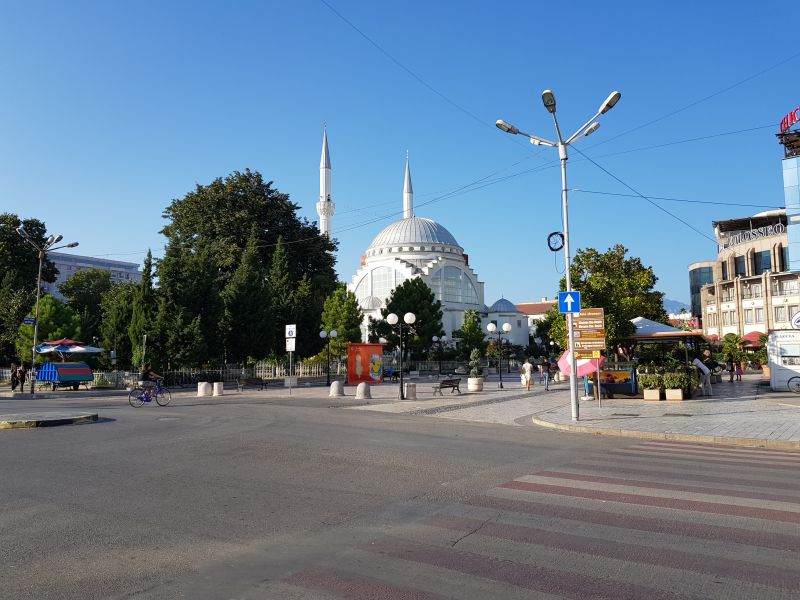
148 379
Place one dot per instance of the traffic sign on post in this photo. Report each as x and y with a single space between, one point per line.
29 321
290 344
590 333
291 331
569 302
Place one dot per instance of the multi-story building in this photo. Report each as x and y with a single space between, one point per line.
749 289
69 264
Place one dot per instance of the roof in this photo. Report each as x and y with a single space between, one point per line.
762 219
503 305
535 308
413 230
651 330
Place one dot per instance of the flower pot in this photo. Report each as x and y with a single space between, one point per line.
674 394
475 384
652 394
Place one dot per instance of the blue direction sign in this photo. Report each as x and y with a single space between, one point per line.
29 320
569 302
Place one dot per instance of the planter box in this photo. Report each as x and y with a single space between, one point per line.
676 394
475 384
652 394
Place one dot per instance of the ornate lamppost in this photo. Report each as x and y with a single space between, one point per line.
392 319
328 335
441 341
492 328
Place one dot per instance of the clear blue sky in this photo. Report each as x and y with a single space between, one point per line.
112 109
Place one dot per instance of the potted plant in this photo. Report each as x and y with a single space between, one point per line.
652 384
475 381
674 384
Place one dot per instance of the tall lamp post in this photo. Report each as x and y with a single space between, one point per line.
46 247
549 100
441 341
492 328
328 335
392 319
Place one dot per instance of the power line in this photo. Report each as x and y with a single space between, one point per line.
661 208
675 199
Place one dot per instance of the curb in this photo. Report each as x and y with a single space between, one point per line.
45 422
674 437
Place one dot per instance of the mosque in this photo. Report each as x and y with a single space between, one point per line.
418 247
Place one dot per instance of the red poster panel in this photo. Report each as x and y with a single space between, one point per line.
364 363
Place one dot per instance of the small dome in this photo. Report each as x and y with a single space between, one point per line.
414 230
504 306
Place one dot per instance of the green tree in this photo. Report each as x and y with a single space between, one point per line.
15 302
471 334
18 257
245 324
413 296
621 285
84 293
342 313
143 311
116 307
56 321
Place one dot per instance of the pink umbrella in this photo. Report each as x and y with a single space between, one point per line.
584 365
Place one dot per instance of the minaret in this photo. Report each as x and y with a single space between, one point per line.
325 207
408 194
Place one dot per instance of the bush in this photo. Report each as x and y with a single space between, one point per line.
651 381
674 381
475 369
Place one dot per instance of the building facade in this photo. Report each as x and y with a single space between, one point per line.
69 264
751 289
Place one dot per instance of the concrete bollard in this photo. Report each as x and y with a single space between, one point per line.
363 392
218 388
203 388
337 389
411 391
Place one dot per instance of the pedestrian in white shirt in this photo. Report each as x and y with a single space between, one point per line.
527 374
705 377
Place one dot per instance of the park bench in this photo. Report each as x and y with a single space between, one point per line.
244 382
451 384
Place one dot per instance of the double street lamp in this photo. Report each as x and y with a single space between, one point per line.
549 101
441 341
328 335
492 328
392 319
48 245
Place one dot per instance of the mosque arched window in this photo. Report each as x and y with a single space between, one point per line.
362 289
452 285
382 282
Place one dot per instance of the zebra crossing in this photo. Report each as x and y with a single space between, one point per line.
655 520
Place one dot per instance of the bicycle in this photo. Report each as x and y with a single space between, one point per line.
794 385
140 395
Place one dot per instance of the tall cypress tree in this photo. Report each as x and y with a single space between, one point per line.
143 312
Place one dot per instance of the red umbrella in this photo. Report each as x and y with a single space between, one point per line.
584 365
63 342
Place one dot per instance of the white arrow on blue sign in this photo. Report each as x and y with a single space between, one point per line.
569 302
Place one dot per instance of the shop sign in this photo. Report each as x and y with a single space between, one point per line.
791 119
752 234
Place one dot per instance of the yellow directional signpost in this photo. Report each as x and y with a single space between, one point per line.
590 337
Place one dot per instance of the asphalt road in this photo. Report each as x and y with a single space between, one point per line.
247 499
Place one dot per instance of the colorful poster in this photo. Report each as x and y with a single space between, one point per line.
364 363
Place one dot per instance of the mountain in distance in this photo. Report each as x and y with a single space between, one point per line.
675 306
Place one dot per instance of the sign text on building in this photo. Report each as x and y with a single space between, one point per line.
791 119
751 234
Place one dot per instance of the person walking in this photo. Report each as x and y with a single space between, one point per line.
14 377
730 366
705 377
527 374
739 370
546 373
22 374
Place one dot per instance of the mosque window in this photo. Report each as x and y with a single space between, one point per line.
362 289
456 286
382 282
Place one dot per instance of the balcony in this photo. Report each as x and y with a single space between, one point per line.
750 295
786 292
728 298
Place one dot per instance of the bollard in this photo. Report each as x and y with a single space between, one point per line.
411 391
203 388
363 392
337 389
218 388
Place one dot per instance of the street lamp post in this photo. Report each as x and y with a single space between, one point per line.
441 341
492 328
48 245
328 336
549 101
392 319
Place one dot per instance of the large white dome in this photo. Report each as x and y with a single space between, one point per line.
413 230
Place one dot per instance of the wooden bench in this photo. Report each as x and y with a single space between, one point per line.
244 382
452 384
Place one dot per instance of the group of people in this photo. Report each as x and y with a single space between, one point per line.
526 373
19 374
734 367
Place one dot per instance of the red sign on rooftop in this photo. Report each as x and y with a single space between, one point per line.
791 119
